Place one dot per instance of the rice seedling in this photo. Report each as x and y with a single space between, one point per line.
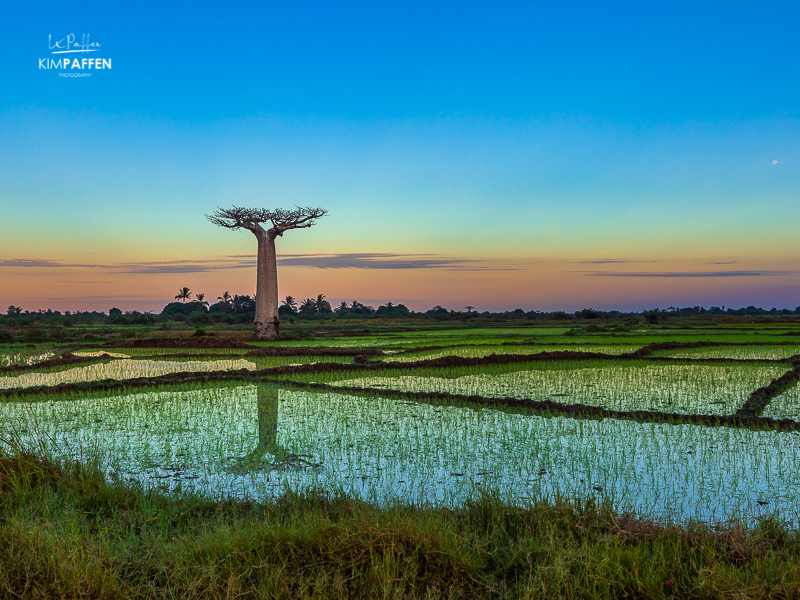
24 358
259 441
785 405
119 370
776 352
636 385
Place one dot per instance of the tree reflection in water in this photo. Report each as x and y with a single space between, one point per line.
268 397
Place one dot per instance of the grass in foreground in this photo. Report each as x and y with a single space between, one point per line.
66 532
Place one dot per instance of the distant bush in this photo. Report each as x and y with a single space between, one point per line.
199 317
6 337
182 308
651 316
36 335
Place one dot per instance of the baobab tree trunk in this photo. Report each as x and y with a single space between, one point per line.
266 320
267 430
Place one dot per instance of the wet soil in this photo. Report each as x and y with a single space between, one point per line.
550 408
314 351
746 416
188 342
540 407
759 399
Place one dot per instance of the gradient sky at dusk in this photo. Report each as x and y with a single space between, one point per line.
546 156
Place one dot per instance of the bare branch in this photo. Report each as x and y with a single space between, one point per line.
282 219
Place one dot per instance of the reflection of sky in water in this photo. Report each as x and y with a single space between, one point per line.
685 389
479 352
785 405
22 359
737 352
384 449
121 369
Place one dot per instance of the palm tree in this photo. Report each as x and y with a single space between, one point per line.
321 305
199 299
226 298
308 307
291 303
183 295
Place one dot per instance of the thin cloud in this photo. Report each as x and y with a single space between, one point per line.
695 274
40 263
356 260
182 266
382 261
606 261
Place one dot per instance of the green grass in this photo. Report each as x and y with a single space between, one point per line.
66 532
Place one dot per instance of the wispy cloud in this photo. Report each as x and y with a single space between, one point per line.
38 262
607 261
694 274
183 266
360 260
372 260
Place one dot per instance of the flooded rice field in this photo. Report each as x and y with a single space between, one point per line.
768 352
477 351
254 441
686 389
255 435
120 370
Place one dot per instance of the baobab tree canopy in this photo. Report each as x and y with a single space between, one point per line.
236 217
282 220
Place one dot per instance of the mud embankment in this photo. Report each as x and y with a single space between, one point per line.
541 407
759 399
314 351
550 408
66 359
188 342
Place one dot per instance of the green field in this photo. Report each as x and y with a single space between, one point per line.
432 420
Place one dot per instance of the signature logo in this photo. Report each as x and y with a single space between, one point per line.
72 66
68 44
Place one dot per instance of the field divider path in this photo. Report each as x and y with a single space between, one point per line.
550 408
760 398
67 359
542 407
367 365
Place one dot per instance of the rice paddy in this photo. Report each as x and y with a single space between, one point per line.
686 389
389 428
767 352
257 441
120 370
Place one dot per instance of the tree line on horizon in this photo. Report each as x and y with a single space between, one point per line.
240 308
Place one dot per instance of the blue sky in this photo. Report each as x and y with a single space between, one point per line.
565 146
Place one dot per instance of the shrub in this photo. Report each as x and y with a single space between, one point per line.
199 317
36 335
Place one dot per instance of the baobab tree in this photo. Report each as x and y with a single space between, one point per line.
282 220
